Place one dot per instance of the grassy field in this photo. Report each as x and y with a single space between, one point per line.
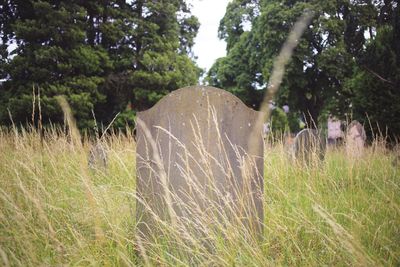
55 211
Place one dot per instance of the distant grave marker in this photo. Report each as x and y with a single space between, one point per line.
309 146
97 156
288 144
355 139
335 133
396 153
192 160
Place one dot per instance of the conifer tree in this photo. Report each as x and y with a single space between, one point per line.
103 55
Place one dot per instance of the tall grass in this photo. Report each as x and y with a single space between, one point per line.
56 211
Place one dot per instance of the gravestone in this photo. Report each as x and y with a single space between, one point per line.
309 146
355 139
193 161
288 144
335 133
396 153
97 159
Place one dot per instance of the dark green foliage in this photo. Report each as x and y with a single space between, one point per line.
125 119
52 55
333 50
161 63
279 122
103 55
295 124
376 83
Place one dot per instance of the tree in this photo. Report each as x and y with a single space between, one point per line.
376 80
239 14
320 65
157 59
103 55
279 122
52 55
239 71
161 62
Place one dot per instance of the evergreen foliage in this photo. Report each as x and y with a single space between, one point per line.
106 56
279 122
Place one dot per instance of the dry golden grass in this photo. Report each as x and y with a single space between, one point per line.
55 211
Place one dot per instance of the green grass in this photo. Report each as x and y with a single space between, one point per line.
55 211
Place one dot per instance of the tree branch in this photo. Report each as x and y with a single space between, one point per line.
377 75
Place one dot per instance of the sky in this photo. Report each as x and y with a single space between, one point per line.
207 45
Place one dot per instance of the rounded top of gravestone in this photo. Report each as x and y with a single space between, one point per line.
307 142
188 97
356 130
307 132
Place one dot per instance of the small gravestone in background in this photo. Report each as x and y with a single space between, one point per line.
396 152
97 159
309 146
335 133
288 144
355 139
192 158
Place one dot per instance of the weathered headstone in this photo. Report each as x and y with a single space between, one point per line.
192 159
288 144
97 156
355 139
309 146
396 153
335 133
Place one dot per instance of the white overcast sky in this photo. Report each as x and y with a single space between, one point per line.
207 45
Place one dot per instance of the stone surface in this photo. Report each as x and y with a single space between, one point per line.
97 156
309 146
288 144
192 160
355 139
335 133
396 153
